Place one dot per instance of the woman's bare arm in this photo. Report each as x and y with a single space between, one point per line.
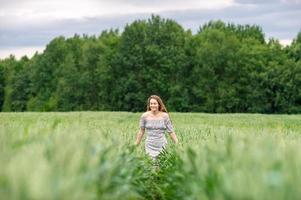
139 136
174 137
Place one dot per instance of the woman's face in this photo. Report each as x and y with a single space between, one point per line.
154 105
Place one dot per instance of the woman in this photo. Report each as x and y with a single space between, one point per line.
155 120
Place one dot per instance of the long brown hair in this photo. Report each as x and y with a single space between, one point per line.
162 107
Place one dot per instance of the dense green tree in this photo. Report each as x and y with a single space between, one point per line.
282 82
20 85
10 67
221 68
46 69
294 50
213 70
224 70
241 31
109 42
149 61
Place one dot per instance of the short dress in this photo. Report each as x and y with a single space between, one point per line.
155 128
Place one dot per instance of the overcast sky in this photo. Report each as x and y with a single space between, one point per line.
27 26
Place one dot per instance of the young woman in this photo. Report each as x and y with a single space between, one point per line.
155 120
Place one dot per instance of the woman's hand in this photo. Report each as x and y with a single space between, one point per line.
139 137
174 138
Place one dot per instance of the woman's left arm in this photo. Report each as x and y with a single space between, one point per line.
174 137
170 129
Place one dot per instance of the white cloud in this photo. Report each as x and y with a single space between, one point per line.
18 52
292 1
41 10
285 42
34 23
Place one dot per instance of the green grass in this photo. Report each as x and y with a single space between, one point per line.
90 155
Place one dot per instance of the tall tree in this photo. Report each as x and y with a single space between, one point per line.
222 68
10 68
45 76
149 61
294 50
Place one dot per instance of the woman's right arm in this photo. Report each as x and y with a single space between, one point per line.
139 136
142 129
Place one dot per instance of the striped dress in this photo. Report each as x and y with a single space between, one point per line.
155 129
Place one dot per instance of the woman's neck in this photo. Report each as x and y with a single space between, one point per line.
155 112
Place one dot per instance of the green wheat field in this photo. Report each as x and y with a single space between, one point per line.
91 155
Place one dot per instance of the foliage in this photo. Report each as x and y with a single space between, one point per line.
223 68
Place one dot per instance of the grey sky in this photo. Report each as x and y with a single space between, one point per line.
28 25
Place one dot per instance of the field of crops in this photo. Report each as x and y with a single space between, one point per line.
91 155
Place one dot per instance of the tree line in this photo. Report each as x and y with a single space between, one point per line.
223 67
